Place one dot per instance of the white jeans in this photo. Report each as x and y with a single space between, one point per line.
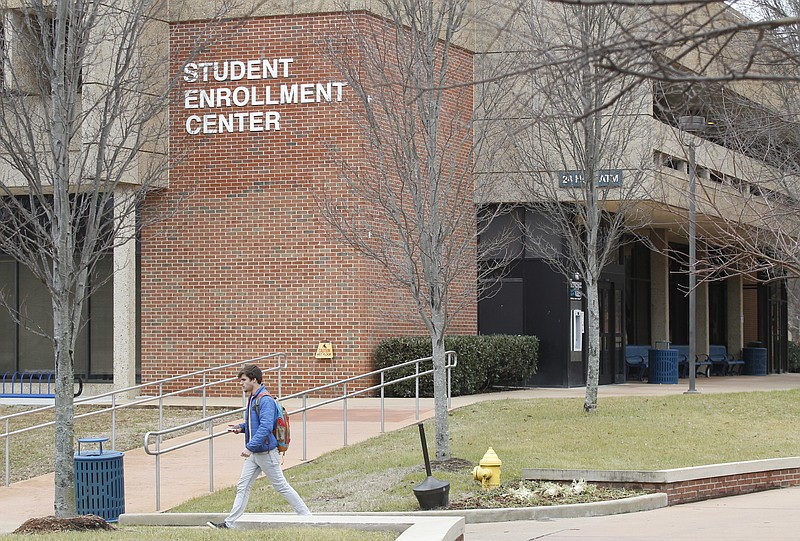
270 464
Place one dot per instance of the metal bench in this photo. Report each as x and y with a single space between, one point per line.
636 357
701 363
32 384
722 363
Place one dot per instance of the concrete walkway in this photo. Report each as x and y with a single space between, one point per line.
773 515
34 497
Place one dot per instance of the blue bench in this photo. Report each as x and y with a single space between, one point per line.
701 363
32 384
722 363
636 357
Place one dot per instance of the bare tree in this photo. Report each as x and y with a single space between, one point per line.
83 127
409 205
580 157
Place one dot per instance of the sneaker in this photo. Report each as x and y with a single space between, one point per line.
217 525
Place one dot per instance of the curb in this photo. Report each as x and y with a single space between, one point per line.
411 527
416 525
634 504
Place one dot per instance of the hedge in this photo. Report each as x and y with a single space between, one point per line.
484 361
794 357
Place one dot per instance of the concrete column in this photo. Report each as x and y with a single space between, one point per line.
659 290
125 293
735 315
702 318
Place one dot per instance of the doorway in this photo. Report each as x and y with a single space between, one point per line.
611 332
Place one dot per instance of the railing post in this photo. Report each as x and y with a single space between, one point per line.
8 462
210 456
158 473
204 394
382 384
158 444
449 381
161 406
305 439
344 400
114 421
281 366
210 428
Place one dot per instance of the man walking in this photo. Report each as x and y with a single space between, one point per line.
260 448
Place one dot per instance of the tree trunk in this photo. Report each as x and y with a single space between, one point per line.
440 391
64 500
440 395
592 345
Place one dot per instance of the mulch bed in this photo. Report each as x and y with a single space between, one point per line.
72 524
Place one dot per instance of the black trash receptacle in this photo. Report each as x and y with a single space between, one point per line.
663 366
755 361
99 481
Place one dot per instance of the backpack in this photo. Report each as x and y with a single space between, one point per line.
281 430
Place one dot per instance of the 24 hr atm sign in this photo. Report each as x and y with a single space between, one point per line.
606 178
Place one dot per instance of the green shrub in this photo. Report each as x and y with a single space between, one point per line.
484 361
794 357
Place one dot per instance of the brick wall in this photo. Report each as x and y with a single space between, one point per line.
730 485
684 485
694 490
240 262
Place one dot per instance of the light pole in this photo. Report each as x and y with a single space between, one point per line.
692 124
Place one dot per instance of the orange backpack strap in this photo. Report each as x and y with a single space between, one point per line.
257 399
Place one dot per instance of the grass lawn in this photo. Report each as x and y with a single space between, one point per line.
31 453
207 534
625 433
379 474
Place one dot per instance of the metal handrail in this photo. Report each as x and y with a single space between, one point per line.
451 361
281 363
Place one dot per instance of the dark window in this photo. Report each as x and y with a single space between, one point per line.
8 330
679 294
717 313
28 346
500 235
637 299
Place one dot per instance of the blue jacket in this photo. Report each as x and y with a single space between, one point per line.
258 424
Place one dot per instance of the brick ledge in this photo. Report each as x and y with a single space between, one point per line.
683 485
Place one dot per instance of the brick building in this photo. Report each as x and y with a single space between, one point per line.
249 265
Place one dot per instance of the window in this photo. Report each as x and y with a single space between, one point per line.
637 297
26 347
8 330
671 162
25 37
500 232
24 344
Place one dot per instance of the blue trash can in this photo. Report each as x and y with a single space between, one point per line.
755 361
663 366
99 481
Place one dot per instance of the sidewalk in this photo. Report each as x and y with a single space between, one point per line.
34 497
773 515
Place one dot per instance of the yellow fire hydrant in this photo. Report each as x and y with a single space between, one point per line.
488 473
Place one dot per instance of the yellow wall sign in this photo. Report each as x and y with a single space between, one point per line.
324 350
